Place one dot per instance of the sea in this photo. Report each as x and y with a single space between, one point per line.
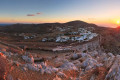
4 24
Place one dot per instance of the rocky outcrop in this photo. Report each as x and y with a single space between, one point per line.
90 65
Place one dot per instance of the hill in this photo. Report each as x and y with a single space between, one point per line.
42 28
109 36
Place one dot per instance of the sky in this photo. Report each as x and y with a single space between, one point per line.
101 12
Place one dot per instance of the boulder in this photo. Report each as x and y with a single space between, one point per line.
28 59
108 63
94 54
90 63
85 55
75 56
110 55
61 74
32 67
68 66
114 72
50 70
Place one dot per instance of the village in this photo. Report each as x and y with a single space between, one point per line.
80 36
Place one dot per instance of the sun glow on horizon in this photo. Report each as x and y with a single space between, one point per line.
118 22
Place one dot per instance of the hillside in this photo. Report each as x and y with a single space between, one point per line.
75 50
51 31
42 28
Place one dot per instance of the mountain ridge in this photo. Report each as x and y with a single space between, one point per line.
42 28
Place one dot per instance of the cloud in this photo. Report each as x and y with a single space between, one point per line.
34 14
30 15
38 13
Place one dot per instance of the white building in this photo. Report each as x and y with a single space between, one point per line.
62 39
44 39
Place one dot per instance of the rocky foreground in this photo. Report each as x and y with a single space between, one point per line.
92 65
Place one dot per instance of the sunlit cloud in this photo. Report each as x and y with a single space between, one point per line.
34 14
30 15
38 13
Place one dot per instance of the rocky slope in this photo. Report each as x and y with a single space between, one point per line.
90 65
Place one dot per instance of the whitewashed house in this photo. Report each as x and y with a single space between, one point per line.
73 33
81 38
26 37
93 35
73 39
62 39
44 39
